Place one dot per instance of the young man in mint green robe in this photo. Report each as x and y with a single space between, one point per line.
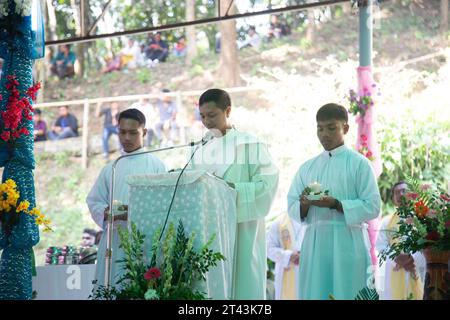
245 164
335 256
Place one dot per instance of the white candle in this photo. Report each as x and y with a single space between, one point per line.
315 187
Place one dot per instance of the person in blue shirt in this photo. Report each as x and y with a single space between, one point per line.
157 50
63 63
66 126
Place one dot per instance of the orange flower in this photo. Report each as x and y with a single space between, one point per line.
421 209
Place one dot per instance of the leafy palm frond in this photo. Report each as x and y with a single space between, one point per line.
367 294
413 183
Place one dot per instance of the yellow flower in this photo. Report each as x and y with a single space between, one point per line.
11 197
35 212
47 229
11 183
6 207
39 221
23 206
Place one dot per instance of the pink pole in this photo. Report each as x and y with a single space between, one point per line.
366 136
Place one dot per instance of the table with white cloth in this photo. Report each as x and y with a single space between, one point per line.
64 282
205 204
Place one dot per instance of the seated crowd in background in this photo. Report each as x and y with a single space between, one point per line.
162 127
65 126
155 50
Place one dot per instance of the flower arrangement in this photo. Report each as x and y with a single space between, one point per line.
175 271
424 221
364 148
21 8
360 104
18 109
10 208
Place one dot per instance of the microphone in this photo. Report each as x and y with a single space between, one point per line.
207 138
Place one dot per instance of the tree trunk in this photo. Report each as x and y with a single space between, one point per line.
80 49
43 66
346 7
444 15
311 25
50 26
190 32
229 62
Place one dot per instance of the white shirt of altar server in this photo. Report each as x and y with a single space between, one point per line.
98 198
280 256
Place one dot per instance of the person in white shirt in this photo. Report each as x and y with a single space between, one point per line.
131 55
253 40
131 136
284 240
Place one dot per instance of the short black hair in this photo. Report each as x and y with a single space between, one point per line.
92 232
133 114
332 111
220 97
37 111
64 106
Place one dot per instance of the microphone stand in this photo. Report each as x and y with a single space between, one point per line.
109 230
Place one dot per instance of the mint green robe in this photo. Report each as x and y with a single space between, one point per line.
335 255
256 180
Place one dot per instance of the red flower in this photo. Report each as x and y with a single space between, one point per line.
18 110
24 131
445 198
5 135
152 273
433 236
369 154
363 137
412 195
33 90
447 224
421 209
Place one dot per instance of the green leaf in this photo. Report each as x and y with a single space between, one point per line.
367 294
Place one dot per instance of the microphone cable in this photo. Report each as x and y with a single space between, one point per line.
175 190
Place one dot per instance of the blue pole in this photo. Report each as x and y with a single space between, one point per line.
365 34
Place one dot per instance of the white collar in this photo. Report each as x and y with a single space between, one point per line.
135 151
335 151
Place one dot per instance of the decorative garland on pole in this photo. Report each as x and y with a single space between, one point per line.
19 46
